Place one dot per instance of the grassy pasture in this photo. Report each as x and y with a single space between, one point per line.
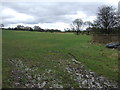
47 50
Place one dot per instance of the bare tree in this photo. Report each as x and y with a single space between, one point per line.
2 25
88 25
72 27
118 16
77 25
106 18
20 27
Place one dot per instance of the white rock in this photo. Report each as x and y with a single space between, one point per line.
26 85
43 84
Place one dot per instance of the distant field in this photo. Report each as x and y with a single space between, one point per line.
49 51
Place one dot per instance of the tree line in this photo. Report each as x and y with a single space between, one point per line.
27 28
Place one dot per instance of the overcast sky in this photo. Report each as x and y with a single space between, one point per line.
57 14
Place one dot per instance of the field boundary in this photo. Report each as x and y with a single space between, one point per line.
105 38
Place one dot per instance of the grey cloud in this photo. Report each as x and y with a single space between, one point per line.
51 12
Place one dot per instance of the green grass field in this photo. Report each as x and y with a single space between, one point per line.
47 50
